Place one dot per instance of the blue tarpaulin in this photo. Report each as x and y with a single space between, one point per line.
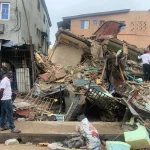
10 44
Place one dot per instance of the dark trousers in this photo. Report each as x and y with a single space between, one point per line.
146 70
7 112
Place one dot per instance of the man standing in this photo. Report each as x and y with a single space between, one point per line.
6 104
146 65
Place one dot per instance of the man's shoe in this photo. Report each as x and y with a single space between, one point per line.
15 131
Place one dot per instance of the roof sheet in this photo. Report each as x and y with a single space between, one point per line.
108 30
97 14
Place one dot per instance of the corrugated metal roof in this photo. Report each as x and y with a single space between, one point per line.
108 30
97 14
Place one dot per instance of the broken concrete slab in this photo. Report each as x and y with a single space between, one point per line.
69 48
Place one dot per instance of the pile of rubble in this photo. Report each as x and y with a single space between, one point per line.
96 76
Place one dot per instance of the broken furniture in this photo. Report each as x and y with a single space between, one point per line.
138 139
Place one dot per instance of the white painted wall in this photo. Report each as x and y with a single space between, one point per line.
35 19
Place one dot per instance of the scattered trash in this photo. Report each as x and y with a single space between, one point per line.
11 142
90 134
75 141
93 77
28 143
57 146
43 144
21 119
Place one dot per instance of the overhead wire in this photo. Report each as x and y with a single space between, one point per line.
26 18
20 22
18 15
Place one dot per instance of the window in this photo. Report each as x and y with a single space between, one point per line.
123 27
38 32
42 40
102 22
44 19
39 5
85 24
5 11
95 22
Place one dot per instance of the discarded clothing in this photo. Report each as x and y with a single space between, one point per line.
74 142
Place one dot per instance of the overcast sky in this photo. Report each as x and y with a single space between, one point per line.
62 8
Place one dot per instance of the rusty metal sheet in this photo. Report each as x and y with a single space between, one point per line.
108 30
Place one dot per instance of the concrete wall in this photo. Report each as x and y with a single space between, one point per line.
35 19
137 29
66 55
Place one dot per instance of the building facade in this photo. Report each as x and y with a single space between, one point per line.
24 27
22 19
136 31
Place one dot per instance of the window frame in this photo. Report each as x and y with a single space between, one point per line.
95 22
44 18
84 24
1 4
39 5
101 23
123 27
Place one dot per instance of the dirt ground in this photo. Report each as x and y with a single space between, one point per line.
23 147
29 147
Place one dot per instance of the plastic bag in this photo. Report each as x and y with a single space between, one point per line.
90 133
11 142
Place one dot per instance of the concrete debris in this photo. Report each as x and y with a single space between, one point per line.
97 76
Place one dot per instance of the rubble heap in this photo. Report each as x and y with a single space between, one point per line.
96 76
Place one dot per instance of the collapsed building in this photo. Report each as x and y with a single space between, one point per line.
96 76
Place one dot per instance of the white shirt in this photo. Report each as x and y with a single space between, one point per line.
5 84
145 58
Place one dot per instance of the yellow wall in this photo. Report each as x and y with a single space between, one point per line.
137 30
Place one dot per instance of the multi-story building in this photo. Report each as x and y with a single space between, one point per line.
136 31
24 27
22 19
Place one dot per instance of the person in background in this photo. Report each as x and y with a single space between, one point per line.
6 104
148 49
146 65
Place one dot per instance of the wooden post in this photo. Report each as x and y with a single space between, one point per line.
103 70
121 72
